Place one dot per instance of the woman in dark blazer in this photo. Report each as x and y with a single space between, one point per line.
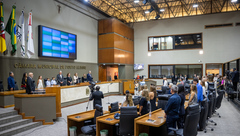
84 78
180 121
69 79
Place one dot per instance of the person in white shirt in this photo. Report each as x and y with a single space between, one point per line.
204 89
165 82
206 83
75 78
53 82
48 83
136 88
40 83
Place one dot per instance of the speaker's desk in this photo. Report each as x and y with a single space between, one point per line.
79 122
103 123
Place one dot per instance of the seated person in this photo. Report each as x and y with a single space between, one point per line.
53 82
143 104
48 83
172 108
128 102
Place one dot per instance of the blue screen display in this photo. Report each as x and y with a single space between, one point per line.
57 44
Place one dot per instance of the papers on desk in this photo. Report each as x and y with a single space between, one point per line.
109 119
150 121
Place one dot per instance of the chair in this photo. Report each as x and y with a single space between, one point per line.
162 101
1 86
91 129
136 100
164 89
45 82
203 115
16 86
210 106
219 101
114 107
187 82
191 122
187 88
210 85
127 116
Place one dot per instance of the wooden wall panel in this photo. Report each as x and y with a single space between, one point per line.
102 73
122 29
123 57
123 43
106 56
105 26
106 41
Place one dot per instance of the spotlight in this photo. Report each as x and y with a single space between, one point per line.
233 1
161 10
195 5
136 1
146 12
157 17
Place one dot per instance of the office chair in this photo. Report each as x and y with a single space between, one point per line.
91 129
136 100
203 115
219 101
64 81
16 86
1 86
162 101
210 106
114 107
187 89
127 116
191 122
164 89
210 85
187 82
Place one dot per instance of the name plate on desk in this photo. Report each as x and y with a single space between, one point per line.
109 119
150 121
78 117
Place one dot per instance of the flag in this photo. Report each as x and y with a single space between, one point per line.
11 29
30 48
3 46
20 34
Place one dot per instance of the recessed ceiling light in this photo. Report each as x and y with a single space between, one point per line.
136 1
146 12
149 54
195 5
162 10
201 52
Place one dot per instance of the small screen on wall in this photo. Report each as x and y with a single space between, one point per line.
55 43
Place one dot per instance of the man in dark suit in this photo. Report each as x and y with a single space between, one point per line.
173 77
97 97
235 78
30 87
60 78
89 76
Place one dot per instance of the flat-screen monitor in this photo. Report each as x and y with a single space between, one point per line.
138 66
56 44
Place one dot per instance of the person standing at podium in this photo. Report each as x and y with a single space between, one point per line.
89 76
11 82
30 87
97 97
60 78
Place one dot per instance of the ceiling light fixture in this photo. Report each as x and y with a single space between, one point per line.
195 5
136 1
162 10
146 12
157 17
233 0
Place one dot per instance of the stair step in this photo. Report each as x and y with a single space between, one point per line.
10 119
6 113
20 129
14 124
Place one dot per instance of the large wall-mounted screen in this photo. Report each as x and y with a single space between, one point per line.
55 43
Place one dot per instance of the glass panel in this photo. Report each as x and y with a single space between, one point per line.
188 41
167 71
195 69
232 64
154 71
150 40
181 70
226 67
160 43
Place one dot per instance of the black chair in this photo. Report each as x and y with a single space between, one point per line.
162 101
1 86
64 81
187 88
45 82
219 101
210 85
114 107
16 86
203 115
127 116
210 106
136 100
187 82
191 122
164 89
91 129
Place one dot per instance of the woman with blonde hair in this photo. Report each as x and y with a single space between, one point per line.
128 102
143 104
204 88
153 96
193 95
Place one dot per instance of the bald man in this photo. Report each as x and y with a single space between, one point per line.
30 87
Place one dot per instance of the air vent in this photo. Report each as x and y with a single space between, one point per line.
238 24
218 25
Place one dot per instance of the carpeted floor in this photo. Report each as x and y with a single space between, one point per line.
227 125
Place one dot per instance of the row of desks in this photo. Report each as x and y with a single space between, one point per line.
140 124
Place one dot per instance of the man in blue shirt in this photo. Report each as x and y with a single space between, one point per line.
199 90
172 108
11 81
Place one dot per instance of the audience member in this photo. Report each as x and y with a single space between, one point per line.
203 89
30 87
206 83
69 79
173 77
172 108
48 83
128 102
97 97
53 82
40 83
193 95
181 81
125 97
180 121
11 81
89 76
60 78
75 78
170 86
223 82
235 78
186 78
136 87
199 90
115 76
143 104
138 77
165 82
176 78
84 78
153 97
24 81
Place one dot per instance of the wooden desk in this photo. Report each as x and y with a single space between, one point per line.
120 105
187 97
102 123
79 122
141 126
185 105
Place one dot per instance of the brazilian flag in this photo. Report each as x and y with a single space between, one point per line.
11 28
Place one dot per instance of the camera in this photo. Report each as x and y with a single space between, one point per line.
91 86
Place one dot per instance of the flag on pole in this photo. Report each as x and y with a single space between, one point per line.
20 33
3 46
11 29
30 48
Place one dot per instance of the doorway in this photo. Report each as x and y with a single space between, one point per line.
108 72
213 68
